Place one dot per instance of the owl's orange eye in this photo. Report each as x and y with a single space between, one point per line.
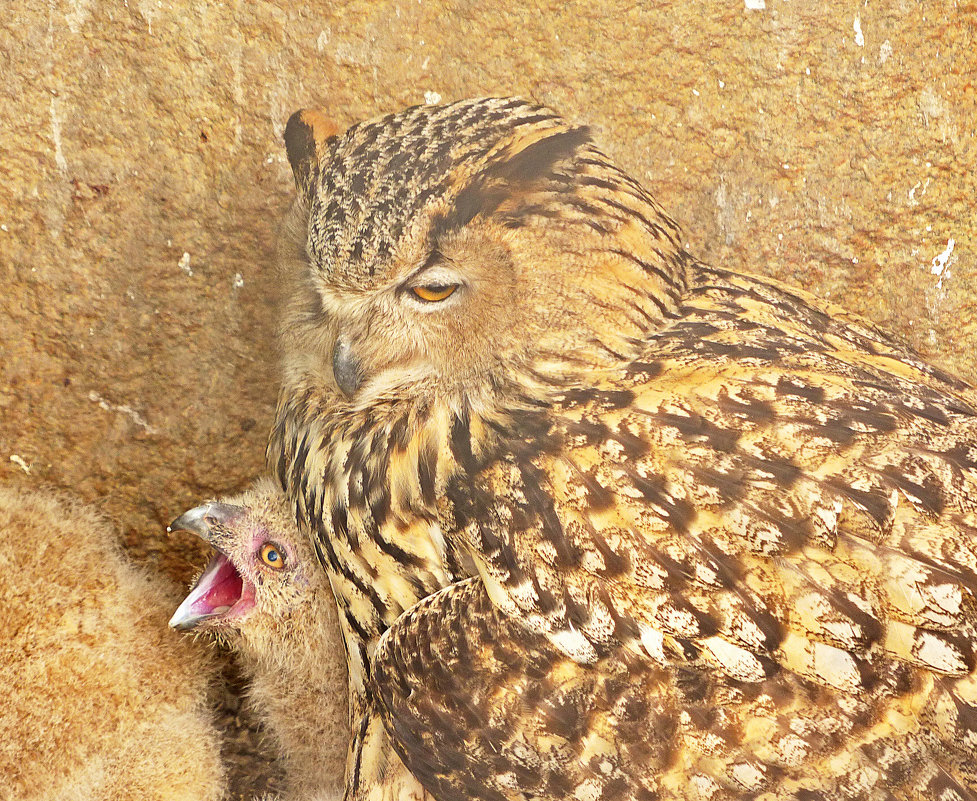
434 292
272 556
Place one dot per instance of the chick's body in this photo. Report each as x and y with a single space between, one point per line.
101 702
279 617
700 535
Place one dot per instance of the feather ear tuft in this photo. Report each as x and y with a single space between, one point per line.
305 134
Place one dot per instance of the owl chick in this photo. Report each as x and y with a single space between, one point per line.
101 702
604 521
264 594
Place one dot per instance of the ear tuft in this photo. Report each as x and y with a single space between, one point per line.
305 134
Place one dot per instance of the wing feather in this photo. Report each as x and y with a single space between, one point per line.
769 492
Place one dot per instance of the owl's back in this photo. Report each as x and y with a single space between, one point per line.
774 496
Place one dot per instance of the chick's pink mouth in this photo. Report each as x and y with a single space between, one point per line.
219 595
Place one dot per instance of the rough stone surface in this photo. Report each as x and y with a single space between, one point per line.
831 145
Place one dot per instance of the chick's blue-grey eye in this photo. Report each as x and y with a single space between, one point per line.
272 556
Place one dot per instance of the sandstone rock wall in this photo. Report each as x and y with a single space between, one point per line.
829 144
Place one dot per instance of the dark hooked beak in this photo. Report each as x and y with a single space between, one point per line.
201 520
346 368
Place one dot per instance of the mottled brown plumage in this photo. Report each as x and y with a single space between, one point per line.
671 532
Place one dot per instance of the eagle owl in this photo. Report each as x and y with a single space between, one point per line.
603 521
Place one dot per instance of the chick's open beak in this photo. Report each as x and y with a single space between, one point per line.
220 592
204 520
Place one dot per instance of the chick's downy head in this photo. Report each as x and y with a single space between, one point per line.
261 575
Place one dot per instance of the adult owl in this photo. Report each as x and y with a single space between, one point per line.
605 522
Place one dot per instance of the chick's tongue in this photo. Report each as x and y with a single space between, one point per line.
216 591
224 586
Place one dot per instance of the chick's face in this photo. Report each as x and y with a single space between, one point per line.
259 574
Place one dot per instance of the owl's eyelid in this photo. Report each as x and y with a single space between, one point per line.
435 275
436 278
416 293
437 270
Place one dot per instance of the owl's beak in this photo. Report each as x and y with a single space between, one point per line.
346 368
